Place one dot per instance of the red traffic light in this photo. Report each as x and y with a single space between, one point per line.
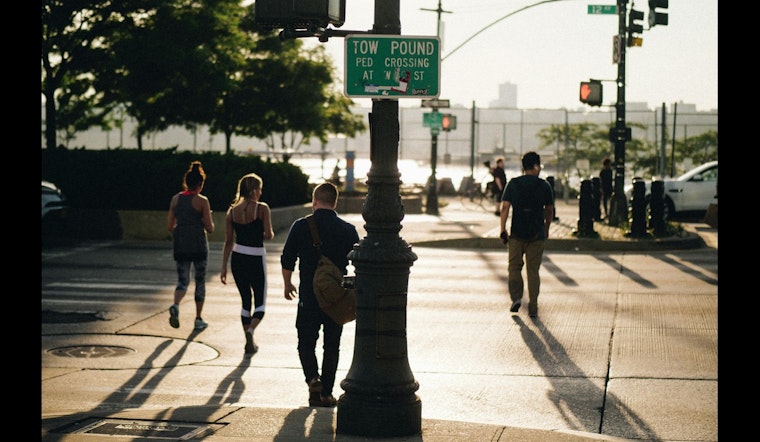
591 92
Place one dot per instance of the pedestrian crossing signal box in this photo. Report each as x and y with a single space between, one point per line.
300 14
448 122
591 92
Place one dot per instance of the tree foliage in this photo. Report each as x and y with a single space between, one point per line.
74 40
590 141
189 63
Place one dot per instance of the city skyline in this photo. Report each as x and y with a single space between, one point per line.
486 43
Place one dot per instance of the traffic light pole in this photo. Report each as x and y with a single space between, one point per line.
431 206
618 204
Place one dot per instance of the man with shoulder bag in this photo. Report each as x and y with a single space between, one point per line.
337 240
532 202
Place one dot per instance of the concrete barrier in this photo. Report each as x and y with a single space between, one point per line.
150 225
412 204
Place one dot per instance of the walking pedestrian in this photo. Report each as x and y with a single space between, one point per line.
247 224
499 182
338 239
532 201
189 221
605 183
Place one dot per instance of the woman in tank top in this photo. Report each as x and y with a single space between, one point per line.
248 223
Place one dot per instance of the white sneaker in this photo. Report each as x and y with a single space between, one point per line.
200 324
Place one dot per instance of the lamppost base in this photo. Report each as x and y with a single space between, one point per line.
371 416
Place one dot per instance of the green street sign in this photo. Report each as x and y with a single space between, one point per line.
392 66
432 120
602 9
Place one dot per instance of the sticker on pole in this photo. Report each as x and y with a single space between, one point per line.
392 66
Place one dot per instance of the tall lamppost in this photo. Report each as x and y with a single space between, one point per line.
379 398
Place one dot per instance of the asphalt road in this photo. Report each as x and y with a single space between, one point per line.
625 344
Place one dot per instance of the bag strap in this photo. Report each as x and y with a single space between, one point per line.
314 232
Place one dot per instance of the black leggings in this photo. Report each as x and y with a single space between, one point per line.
250 276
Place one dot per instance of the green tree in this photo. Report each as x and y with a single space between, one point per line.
172 62
585 141
700 148
644 157
169 67
73 37
295 94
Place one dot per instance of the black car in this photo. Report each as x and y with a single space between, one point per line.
55 210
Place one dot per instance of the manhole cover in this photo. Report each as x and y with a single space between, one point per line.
91 351
140 428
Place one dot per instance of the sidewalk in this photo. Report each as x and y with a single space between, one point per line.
465 224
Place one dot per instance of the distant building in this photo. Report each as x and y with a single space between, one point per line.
507 96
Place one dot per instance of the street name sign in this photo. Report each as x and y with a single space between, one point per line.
602 9
392 66
435 103
432 120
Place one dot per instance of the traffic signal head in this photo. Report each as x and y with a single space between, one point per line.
591 92
448 122
634 27
301 14
657 18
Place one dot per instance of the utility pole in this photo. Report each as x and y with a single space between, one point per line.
440 11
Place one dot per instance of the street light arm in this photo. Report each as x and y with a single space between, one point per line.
497 21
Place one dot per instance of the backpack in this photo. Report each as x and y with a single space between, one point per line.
527 216
336 298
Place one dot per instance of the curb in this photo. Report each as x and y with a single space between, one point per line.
689 241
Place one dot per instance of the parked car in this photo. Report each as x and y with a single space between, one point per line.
693 191
55 209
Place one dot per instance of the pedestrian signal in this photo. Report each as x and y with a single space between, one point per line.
448 122
591 92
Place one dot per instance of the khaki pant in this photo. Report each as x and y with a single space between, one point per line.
533 251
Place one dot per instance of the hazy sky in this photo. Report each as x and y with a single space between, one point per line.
548 49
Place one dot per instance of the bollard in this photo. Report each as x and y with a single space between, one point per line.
550 180
638 209
657 217
596 184
350 156
586 209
